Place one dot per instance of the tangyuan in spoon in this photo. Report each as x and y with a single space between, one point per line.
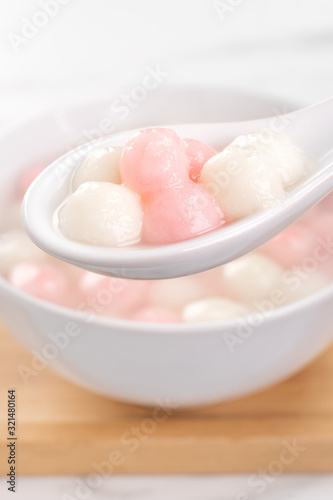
152 204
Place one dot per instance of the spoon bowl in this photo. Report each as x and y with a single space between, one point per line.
309 129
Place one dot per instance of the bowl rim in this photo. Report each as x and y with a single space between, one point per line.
70 103
155 327
174 327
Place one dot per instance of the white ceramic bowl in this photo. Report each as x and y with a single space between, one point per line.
178 364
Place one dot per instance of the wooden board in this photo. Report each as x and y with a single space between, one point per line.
64 429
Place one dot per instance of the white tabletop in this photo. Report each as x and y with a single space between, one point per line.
279 48
217 487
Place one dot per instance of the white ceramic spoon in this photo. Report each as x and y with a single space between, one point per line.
311 129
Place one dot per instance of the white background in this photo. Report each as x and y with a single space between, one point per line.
277 47
281 48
